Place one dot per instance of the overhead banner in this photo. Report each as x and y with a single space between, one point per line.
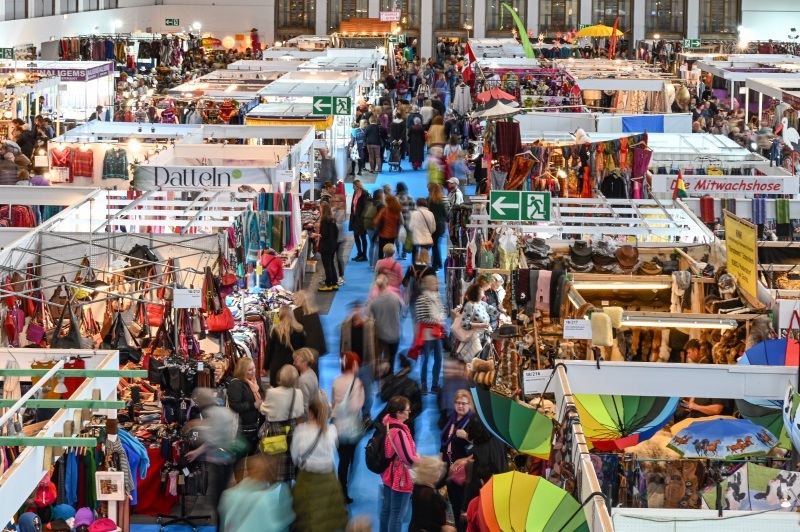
742 252
728 185
69 74
199 177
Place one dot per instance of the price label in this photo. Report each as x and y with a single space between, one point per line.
187 297
577 330
534 381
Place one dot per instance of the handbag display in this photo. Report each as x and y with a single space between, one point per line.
168 280
85 274
115 340
227 275
220 322
60 299
13 325
39 324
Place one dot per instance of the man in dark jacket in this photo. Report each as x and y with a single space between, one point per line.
437 104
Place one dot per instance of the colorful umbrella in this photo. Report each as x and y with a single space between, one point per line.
768 414
756 488
722 439
614 422
790 417
598 30
516 501
780 352
680 425
523 428
496 110
494 94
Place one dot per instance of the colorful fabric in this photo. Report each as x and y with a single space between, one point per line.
83 164
115 164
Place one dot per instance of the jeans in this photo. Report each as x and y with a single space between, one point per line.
375 160
341 260
346 453
436 256
328 262
371 247
434 345
365 374
393 509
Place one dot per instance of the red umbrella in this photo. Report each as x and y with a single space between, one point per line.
496 94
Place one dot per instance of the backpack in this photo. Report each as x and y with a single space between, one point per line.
375 451
415 281
369 217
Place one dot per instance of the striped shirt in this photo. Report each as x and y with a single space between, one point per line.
83 163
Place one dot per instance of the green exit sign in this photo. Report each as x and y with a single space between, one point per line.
6 53
172 22
581 26
397 39
691 43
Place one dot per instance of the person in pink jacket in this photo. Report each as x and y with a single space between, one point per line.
397 483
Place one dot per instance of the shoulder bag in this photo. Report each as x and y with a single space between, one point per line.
348 423
73 338
279 443
154 313
307 454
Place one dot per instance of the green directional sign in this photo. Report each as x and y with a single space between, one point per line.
322 105
513 206
581 26
6 53
172 21
691 43
341 105
332 105
397 39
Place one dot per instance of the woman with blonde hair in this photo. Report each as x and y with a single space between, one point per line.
436 133
282 409
287 336
428 507
308 382
454 441
245 395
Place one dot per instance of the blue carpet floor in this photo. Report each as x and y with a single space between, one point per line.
365 486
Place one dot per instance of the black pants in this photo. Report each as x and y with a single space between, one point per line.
361 244
329 263
361 163
387 351
382 242
346 453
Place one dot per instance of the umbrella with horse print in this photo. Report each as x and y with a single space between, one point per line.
722 439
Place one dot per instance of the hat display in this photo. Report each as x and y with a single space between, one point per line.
627 256
63 511
603 252
578 267
580 252
84 516
651 268
612 268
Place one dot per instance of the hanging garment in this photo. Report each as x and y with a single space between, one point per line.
62 158
707 210
509 141
520 170
641 161
83 163
115 164
759 211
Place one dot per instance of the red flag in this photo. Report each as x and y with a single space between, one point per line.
612 48
466 70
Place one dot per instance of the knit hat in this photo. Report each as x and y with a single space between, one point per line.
84 516
63 511
103 524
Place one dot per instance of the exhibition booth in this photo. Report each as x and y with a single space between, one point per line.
84 85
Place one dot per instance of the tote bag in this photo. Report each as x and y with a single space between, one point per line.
348 424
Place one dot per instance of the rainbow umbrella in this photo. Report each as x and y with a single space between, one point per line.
780 352
516 501
523 428
615 422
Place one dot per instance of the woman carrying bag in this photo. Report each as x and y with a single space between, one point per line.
282 407
317 498
287 336
245 395
348 398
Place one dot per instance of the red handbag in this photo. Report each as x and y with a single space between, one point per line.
220 322
9 299
155 313
228 276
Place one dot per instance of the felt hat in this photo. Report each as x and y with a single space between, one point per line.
670 266
651 268
84 516
627 256
580 252
505 331
603 252
572 266
537 248
612 268
103 524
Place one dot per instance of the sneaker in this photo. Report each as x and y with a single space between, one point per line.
424 389
341 281
325 289
335 288
436 390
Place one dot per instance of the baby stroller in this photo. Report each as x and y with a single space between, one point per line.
395 155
